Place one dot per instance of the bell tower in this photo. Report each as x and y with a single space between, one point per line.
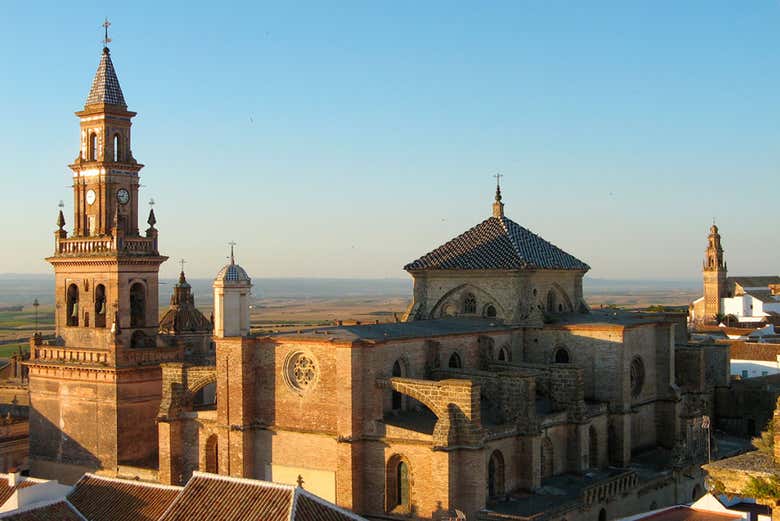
95 389
714 275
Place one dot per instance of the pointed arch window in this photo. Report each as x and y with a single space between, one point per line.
470 304
72 310
496 475
455 361
593 448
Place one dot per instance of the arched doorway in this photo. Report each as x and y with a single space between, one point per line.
697 493
496 475
137 305
212 454
399 485
603 515
546 460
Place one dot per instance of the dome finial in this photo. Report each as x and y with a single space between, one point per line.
232 256
498 206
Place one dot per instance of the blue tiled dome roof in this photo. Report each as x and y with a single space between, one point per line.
233 273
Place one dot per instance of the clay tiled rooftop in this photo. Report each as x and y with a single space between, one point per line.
58 511
209 496
754 282
7 490
497 243
109 499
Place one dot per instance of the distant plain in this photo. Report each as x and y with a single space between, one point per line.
295 303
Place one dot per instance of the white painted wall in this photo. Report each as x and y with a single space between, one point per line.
754 368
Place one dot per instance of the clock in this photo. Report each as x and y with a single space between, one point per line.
123 196
90 197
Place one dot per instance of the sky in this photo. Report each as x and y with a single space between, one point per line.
345 139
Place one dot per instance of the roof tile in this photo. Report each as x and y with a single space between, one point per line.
498 243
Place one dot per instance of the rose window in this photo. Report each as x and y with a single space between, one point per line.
301 372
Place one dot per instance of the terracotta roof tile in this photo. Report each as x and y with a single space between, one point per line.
309 507
59 511
110 499
208 496
498 243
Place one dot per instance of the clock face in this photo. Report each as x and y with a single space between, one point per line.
123 196
90 197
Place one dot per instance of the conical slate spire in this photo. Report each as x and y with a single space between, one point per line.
105 85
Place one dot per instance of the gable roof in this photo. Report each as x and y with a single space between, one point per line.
105 84
211 496
110 499
497 243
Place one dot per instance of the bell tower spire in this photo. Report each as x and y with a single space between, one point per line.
106 304
714 271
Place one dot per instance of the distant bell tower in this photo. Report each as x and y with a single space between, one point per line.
714 275
95 389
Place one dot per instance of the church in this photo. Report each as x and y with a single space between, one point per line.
499 395
750 302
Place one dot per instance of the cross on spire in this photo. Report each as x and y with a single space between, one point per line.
106 40
182 262
232 244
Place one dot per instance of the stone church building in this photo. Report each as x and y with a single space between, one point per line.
499 394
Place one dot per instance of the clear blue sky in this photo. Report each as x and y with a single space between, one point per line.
336 139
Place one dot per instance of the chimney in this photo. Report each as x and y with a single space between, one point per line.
14 477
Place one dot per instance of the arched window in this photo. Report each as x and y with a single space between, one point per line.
212 454
100 305
546 461
490 311
72 310
552 301
496 475
593 448
137 305
116 148
503 354
470 304
561 356
399 485
455 362
93 147
397 399
637 373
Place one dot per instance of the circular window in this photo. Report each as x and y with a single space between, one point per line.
637 376
301 372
